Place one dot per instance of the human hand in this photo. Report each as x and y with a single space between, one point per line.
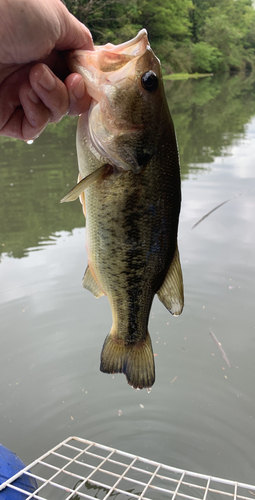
33 36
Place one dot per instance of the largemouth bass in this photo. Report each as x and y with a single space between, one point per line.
130 190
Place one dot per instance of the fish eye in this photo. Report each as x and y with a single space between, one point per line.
149 81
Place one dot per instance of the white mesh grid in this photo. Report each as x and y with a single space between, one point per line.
77 468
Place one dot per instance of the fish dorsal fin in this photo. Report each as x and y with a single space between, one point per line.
84 184
90 284
171 292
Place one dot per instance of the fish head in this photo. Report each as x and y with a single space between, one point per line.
128 100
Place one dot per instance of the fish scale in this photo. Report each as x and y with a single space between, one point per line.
129 163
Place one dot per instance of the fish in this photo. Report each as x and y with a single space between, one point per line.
130 189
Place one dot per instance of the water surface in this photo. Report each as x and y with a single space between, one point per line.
200 413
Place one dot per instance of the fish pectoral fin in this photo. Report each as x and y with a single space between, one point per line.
91 285
84 184
171 291
82 197
136 361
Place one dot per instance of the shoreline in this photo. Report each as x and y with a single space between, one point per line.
185 76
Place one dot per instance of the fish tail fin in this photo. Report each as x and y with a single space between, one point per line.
136 361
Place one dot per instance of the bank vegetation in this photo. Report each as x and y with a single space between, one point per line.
204 36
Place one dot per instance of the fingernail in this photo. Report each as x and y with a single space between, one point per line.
79 91
33 96
47 80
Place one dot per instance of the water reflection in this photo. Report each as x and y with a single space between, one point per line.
91 489
33 179
210 115
200 414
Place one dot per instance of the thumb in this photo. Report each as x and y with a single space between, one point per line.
73 34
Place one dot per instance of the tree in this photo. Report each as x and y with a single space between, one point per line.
166 19
227 26
188 35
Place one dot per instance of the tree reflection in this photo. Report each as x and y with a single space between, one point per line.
209 114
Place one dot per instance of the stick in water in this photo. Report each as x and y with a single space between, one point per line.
209 213
220 348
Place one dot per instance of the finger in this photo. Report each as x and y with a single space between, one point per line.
51 90
29 118
13 126
78 96
14 94
9 94
7 69
35 114
18 126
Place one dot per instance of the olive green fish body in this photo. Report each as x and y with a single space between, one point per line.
131 223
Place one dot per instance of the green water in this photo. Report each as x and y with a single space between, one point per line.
200 413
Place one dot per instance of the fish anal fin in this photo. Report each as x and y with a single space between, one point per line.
136 361
171 291
90 284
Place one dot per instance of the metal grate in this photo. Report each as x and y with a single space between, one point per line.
78 468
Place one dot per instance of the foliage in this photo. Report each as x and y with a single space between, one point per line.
175 57
206 58
167 19
228 27
187 35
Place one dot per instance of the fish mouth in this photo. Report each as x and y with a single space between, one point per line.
131 46
107 64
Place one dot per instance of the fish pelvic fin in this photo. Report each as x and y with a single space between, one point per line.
171 291
136 361
90 284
